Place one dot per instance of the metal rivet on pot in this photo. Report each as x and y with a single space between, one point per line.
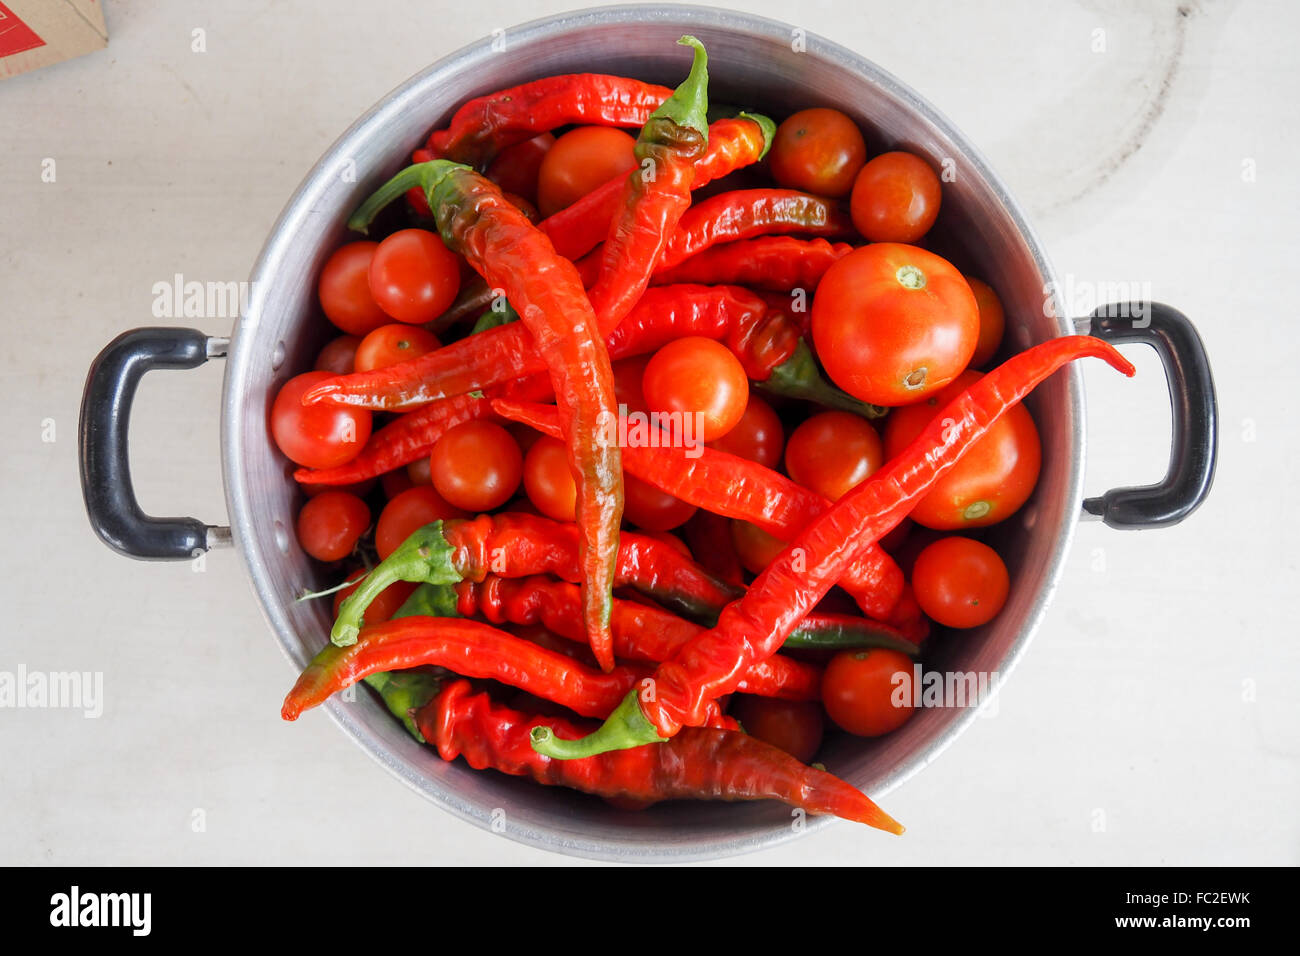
277 357
281 536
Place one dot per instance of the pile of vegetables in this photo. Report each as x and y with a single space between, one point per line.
665 432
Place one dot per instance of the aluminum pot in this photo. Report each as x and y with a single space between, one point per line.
753 62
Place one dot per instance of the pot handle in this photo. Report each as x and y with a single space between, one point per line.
102 433
1194 447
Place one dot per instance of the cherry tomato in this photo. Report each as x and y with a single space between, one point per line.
628 374
990 482
700 377
868 692
407 512
384 606
523 205
895 198
420 471
396 481
344 289
818 150
516 168
331 524
316 436
393 344
754 546
795 726
960 582
339 355
993 321
580 161
833 452
893 324
477 466
758 436
413 276
548 481
645 506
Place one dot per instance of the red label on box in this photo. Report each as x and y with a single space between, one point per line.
16 36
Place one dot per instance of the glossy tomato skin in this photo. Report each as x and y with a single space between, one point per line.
895 198
516 168
960 582
697 376
548 481
330 525
758 436
795 726
477 466
413 276
651 509
316 436
892 323
990 482
864 691
833 452
580 161
818 150
392 344
339 355
344 289
407 512
992 322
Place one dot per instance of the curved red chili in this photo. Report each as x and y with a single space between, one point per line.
699 763
757 624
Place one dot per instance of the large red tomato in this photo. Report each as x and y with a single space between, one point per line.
893 323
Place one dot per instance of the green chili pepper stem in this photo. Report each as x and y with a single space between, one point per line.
494 317
625 728
689 104
766 124
404 692
799 377
424 557
425 176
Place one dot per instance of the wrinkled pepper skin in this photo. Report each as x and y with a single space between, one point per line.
701 763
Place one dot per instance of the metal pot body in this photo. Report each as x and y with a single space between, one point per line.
753 62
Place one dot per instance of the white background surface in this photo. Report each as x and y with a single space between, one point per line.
1155 719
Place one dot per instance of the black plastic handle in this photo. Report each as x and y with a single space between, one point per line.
105 418
1195 417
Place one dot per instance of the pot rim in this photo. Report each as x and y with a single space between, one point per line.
302 207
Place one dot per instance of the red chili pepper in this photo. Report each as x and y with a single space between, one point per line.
476 220
737 488
698 764
733 144
641 632
746 213
654 195
757 624
470 649
519 545
488 124
776 263
708 536
760 337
